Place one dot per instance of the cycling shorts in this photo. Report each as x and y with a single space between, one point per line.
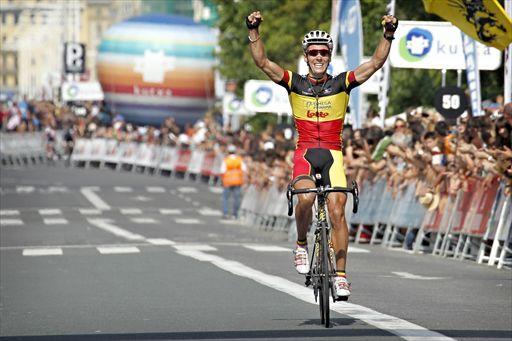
327 162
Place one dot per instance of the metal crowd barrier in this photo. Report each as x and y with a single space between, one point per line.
476 223
22 148
187 163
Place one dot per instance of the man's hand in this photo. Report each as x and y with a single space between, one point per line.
389 23
253 20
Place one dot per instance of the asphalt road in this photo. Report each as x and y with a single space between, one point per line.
95 254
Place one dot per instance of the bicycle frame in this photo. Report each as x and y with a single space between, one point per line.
323 260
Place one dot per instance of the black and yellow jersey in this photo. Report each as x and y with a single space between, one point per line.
319 107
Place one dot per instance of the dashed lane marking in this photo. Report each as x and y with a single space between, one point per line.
155 189
266 248
25 189
144 220
408 275
187 221
187 190
206 211
9 212
43 252
170 211
90 211
50 211
88 193
353 249
160 241
130 211
57 189
216 190
111 250
55 221
194 247
121 189
11 222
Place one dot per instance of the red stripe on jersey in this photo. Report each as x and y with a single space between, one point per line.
325 134
351 77
286 77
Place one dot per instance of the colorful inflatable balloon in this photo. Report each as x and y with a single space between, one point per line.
154 66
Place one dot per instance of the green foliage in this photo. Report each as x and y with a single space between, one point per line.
286 22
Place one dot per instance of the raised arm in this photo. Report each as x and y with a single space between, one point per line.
364 71
271 69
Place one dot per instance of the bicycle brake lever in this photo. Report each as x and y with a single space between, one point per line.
290 201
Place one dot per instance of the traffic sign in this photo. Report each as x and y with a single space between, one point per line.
450 101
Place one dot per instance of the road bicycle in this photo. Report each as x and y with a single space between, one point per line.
323 261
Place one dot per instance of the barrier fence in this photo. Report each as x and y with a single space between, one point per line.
475 223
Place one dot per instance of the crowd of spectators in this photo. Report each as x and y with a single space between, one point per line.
419 146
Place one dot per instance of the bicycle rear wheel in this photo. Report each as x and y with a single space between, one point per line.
325 283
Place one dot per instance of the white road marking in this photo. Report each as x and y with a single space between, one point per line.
206 211
25 189
9 212
187 189
116 250
194 247
50 211
155 189
106 225
160 241
142 198
230 221
216 190
266 248
43 252
353 249
130 211
88 193
57 189
55 221
408 275
144 220
187 221
121 189
11 222
391 324
90 211
170 211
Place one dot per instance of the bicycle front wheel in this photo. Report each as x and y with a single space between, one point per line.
325 283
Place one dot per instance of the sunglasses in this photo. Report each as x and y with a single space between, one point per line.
314 53
399 126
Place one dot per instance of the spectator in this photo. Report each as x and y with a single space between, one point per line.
232 170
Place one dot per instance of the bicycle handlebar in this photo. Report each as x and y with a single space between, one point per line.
323 190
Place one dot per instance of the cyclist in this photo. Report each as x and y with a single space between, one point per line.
319 102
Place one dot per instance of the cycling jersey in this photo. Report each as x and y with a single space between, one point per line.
319 109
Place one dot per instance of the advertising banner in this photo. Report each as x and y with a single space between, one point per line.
436 45
472 73
81 91
351 44
266 96
232 105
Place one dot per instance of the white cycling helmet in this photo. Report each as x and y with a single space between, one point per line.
317 37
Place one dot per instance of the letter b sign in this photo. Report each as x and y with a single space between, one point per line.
74 58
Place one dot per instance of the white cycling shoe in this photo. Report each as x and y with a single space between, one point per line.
301 260
342 288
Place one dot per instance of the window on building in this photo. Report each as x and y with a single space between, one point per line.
32 18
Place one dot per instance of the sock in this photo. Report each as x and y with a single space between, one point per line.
341 273
302 243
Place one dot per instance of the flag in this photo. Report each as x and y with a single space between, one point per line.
351 48
482 20
472 73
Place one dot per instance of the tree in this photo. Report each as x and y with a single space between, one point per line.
286 22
